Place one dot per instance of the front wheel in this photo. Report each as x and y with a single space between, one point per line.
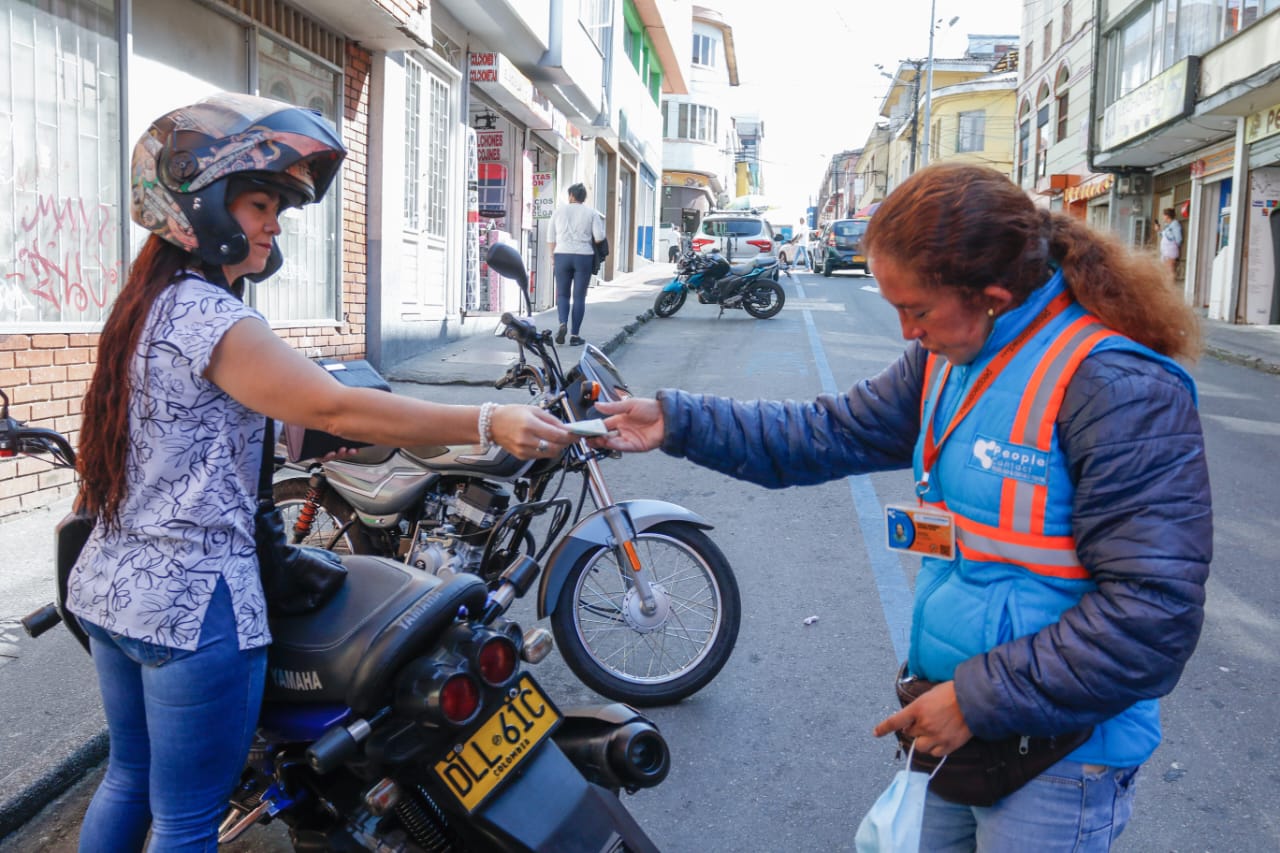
669 302
764 300
657 658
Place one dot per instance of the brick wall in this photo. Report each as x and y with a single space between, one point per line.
46 375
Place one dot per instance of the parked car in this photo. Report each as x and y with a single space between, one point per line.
669 245
839 247
737 236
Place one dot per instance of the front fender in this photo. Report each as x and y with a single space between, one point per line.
673 285
593 531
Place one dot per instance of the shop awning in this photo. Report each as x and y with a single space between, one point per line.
868 210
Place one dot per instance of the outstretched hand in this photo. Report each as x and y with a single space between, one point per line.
934 720
638 421
528 432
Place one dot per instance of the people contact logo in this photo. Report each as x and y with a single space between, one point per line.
1010 460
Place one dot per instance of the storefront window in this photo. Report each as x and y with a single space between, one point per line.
60 218
308 285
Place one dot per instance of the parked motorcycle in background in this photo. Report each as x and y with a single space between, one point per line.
398 717
644 607
752 286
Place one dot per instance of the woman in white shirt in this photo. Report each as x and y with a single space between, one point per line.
575 228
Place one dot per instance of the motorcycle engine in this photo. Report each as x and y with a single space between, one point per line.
455 526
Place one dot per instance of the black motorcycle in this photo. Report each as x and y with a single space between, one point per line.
399 717
644 606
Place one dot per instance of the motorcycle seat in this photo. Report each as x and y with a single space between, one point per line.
348 649
743 269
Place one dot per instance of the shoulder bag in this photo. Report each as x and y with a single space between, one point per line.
982 772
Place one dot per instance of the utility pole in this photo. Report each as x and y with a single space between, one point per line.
928 92
915 116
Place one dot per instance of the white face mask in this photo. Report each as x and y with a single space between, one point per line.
893 823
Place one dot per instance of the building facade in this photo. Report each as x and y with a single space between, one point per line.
699 135
391 261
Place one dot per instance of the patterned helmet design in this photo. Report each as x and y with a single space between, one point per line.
185 164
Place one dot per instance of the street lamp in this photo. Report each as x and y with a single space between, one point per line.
928 93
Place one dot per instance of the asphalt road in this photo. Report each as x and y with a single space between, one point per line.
776 754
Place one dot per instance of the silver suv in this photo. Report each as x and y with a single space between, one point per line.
737 236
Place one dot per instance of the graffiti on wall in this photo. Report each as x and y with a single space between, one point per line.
66 260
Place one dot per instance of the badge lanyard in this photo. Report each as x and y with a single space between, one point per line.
993 369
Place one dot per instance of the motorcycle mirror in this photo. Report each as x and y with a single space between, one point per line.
506 260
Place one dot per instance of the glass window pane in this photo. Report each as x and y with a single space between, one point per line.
307 286
61 214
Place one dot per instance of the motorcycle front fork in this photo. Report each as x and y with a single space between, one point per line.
623 535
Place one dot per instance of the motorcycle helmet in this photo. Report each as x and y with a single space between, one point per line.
194 160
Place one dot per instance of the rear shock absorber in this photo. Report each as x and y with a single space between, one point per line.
310 506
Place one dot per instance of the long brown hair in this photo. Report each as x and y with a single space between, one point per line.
104 432
964 226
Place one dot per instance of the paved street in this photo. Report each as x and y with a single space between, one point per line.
776 754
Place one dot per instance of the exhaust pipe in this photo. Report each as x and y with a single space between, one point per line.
615 747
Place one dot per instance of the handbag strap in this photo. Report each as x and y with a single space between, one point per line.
268 460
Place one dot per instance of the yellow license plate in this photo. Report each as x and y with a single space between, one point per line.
475 767
858 259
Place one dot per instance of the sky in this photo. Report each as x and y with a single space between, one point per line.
809 70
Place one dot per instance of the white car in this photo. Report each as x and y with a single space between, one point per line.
737 236
669 244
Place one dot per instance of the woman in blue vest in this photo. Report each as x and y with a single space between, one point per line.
1062 485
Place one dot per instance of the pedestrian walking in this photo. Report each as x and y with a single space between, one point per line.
1170 240
167 586
572 236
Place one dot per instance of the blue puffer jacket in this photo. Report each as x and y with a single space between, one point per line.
1142 523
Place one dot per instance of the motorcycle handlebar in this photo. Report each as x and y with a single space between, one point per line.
16 439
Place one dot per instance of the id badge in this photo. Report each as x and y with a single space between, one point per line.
919 530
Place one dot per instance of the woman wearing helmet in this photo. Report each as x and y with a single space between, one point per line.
167 586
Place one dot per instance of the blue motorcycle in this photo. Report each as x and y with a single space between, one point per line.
751 286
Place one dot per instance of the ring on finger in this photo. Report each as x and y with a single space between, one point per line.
542 445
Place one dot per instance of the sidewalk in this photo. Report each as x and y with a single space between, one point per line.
53 718
615 309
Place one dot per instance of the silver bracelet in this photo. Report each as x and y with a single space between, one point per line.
485 425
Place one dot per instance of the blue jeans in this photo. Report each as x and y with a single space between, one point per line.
572 270
180 724
1065 808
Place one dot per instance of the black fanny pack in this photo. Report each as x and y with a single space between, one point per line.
982 772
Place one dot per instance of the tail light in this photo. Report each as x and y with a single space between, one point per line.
438 692
700 242
765 246
459 698
496 661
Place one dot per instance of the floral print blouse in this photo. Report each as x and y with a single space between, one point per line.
193 461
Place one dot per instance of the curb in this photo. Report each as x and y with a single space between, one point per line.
1254 362
52 784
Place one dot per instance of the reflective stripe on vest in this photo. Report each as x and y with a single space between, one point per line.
1021 539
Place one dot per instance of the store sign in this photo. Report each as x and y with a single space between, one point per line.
494 74
1164 98
1262 124
490 144
1218 161
544 194
685 179
1084 192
